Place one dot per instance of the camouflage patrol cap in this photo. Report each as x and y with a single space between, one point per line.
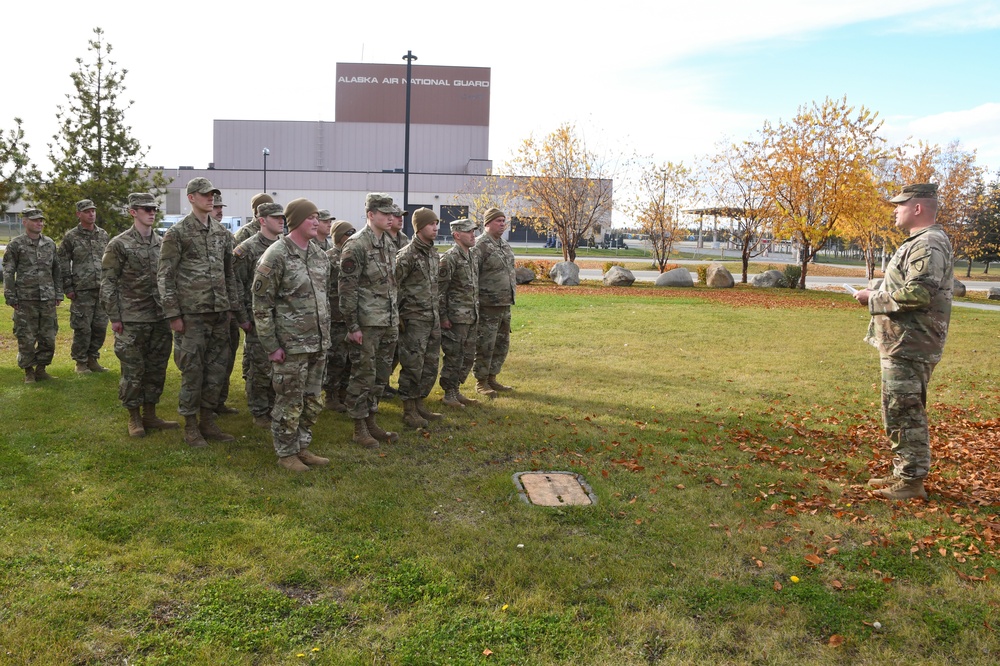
85 204
324 215
297 210
270 209
380 202
258 199
202 186
340 229
463 225
422 217
399 212
141 199
217 201
32 214
916 191
492 214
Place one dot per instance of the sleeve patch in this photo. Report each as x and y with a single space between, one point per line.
264 269
239 251
348 266
258 286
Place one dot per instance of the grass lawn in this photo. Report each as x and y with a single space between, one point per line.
726 433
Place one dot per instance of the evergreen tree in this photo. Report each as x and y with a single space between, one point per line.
94 154
15 167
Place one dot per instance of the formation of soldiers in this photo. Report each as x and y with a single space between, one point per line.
323 307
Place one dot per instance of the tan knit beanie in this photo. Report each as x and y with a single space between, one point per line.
297 210
492 214
258 199
422 217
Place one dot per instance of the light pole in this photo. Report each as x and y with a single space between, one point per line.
265 153
409 58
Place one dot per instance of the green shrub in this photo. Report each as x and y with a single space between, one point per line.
609 264
702 274
539 267
792 273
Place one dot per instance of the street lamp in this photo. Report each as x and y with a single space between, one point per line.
409 58
265 153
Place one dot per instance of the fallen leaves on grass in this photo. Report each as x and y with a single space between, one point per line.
742 296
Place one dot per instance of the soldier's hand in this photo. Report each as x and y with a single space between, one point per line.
58 302
277 356
446 324
246 326
71 295
117 327
862 296
177 325
354 337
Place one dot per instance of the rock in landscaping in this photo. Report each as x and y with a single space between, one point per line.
618 276
719 277
523 275
993 294
769 279
678 277
959 288
565 273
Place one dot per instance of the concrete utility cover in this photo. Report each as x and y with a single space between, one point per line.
553 488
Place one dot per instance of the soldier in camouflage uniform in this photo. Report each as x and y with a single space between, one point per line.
32 285
253 226
80 255
323 229
256 364
417 267
338 361
234 329
368 302
131 299
497 288
910 315
293 324
198 292
398 238
458 289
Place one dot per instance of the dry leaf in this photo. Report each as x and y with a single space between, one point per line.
836 640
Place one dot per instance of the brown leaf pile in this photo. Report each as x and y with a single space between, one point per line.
741 297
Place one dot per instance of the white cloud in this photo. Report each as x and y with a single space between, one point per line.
976 128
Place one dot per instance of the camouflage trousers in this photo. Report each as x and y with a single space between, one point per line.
35 327
370 363
338 361
904 415
257 376
419 347
297 403
492 341
201 353
144 351
89 322
234 346
459 346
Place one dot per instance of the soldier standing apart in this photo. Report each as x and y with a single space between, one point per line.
293 325
131 299
338 363
909 325
198 292
323 229
368 302
32 285
458 289
417 268
234 328
256 364
399 240
80 253
253 226
497 286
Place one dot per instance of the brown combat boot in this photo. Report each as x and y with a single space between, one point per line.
483 387
192 435
226 409
377 432
411 416
150 421
883 481
94 366
41 375
362 436
135 428
451 399
904 489
29 375
210 429
426 413
81 368
465 401
497 386
333 402
292 464
262 421
310 458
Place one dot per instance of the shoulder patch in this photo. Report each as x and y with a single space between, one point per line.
239 252
348 266
258 285
263 269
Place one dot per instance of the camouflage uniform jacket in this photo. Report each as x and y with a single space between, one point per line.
128 278
195 274
399 242
367 282
81 253
458 286
31 270
289 298
912 308
245 258
324 243
332 289
417 268
247 230
495 262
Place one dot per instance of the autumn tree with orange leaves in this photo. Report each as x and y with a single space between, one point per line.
815 167
565 187
662 190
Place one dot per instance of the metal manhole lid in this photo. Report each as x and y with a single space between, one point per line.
554 489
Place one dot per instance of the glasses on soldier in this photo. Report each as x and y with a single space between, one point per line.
149 209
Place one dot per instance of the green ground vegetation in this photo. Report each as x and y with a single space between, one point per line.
706 426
